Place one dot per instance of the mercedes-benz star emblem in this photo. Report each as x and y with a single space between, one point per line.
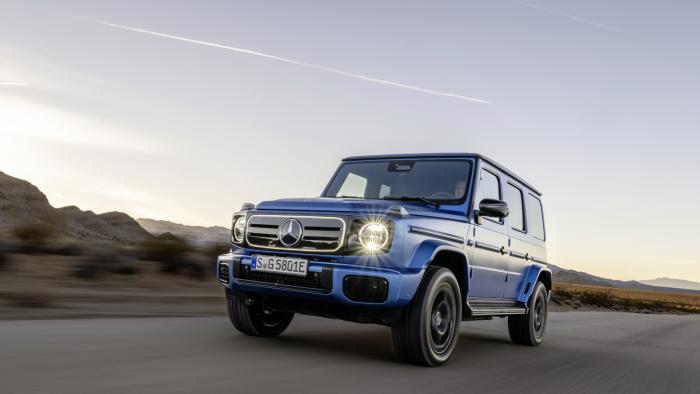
290 232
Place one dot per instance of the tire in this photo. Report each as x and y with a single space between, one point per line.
428 328
529 329
254 320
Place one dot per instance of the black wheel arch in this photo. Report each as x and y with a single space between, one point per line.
456 261
545 277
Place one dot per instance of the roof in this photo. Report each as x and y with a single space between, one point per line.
446 155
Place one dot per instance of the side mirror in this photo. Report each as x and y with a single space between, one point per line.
493 208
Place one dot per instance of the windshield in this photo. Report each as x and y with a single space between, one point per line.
444 181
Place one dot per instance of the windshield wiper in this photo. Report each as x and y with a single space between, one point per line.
424 200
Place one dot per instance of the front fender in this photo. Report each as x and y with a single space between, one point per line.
426 251
533 274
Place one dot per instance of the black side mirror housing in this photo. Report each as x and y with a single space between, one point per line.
490 207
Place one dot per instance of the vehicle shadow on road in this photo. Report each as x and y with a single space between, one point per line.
374 344
371 343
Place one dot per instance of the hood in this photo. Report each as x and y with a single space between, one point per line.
354 205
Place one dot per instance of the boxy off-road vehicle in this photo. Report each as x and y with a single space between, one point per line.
419 242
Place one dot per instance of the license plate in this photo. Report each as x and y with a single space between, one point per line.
280 265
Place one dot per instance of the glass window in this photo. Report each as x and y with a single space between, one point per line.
444 181
489 187
514 199
384 191
535 217
353 186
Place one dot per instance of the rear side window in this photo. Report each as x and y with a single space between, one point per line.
535 217
514 199
489 187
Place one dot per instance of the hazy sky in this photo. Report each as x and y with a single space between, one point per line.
594 102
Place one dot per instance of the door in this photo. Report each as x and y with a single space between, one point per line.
520 247
489 266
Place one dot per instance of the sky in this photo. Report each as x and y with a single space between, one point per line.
183 110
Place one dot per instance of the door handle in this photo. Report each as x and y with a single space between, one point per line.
503 250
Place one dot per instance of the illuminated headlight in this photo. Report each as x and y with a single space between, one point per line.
238 229
373 236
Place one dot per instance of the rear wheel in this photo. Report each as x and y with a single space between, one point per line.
253 319
529 329
428 329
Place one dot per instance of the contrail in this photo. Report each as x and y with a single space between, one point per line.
298 63
572 17
12 83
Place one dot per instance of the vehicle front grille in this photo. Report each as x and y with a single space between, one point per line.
315 281
319 233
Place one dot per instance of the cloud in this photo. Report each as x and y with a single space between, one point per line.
136 202
299 63
28 122
13 83
572 17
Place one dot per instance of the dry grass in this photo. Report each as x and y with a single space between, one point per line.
582 296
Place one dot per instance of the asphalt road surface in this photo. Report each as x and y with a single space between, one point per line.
584 352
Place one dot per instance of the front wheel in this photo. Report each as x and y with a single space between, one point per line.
529 329
428 329
254 319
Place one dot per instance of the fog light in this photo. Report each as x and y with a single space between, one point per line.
223 273
366 288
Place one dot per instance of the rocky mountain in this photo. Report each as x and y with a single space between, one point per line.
674 283
23 205
563 275
197 235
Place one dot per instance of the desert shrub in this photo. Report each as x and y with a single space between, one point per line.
195 270
173 255
183 266
106 255
92 270
33 238
602 299
163 249
65 249
125 269
37 233
214 249
105 260
88 270
27 299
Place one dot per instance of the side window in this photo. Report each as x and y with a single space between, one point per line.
535 217
489 187
514 199
353 186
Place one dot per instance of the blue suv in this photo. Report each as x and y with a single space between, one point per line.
418 242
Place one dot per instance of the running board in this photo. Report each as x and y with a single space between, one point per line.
498 311
476 307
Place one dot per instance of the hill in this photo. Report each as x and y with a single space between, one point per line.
197 235
563 275
672 283
23 205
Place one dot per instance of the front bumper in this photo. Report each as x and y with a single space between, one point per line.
324 281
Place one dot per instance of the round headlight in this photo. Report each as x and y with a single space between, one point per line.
373 236
239 229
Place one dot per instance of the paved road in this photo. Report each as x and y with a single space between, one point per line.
585 352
